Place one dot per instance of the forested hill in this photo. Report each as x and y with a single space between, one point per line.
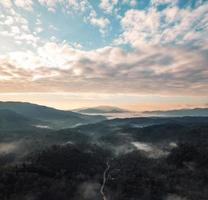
54 118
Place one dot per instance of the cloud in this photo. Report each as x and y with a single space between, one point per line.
130 2
100 22
108 5
8 21
58 67
159 2
50 4
113 6
171 25
24 4
15 27
77 5
6 3
169 54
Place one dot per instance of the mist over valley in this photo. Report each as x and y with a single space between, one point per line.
98 158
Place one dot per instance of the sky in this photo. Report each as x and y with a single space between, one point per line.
136 54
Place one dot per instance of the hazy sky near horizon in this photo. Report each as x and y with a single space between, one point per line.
137 54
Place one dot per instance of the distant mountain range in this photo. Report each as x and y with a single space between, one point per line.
167 113
17 115
180 112
51 117
101 110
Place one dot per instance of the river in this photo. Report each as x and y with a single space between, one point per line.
105 175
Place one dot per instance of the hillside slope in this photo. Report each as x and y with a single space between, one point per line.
10 120
54 117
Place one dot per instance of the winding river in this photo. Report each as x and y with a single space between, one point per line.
105 175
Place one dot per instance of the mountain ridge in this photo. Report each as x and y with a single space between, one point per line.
180 112
54 117
101 109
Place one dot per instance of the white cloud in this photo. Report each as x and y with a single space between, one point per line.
6 3
149 68
170 25
100 22
158 2
38 22
25 28
108 5
9 20
51 4
39 29
130 2
15 30
28 38
24 4
60 67
77 45
77 5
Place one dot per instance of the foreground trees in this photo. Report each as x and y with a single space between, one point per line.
75 172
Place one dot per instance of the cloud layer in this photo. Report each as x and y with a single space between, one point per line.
60 67
158 49
170 25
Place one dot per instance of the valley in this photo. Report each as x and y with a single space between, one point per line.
128 158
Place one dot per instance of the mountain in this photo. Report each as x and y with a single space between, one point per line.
181 112
10 120
134 158
101 110
54 118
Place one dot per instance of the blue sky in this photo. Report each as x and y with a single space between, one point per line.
133 49
95 24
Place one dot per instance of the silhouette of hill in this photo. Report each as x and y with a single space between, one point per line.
55 118
180 112
101 110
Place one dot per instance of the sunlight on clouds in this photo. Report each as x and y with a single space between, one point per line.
16 27
133 102
159 69
24 4
6 3
169 25
105 47
100 22
108 5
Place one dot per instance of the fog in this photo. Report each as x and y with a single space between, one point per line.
143 146
150 150
8 147
43 126
88 191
